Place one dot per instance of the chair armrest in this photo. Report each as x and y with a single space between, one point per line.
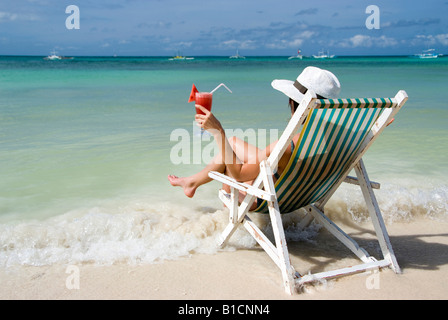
241 186
353 180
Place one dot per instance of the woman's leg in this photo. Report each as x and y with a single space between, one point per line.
247 153
191 183
243 150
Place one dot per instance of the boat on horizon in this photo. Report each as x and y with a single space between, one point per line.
427 54
180 57
298 56
53 56
237 56
323 55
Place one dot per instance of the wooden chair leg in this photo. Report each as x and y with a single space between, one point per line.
376 216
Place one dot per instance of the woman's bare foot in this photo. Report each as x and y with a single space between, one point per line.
185 183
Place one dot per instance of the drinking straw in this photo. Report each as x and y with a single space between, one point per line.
222 84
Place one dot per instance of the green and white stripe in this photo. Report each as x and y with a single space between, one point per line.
329 141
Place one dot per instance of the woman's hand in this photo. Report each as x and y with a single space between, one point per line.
208 121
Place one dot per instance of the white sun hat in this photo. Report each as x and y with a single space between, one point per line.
322 82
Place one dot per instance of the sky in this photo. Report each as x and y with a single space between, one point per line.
220 27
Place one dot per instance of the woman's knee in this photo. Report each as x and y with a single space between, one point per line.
233 141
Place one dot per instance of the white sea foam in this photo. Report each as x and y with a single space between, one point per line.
150 232
132 233
397 203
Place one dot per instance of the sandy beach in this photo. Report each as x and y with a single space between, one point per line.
421 248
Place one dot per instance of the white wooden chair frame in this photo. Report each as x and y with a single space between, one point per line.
279 251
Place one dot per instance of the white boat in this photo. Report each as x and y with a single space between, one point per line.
237 56
427 54
323 55
53 56
298 56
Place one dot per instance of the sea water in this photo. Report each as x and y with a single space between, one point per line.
86 146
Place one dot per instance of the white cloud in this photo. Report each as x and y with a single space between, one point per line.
186 44
8 16
155 25
421 39
248 44
238 44
283 44
307 34
443 39
430 40
230 43
295 42
360 40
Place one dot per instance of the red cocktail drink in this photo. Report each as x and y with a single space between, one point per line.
204 99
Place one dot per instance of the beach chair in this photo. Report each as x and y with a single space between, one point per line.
334 135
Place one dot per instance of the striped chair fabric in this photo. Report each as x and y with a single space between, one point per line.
329 140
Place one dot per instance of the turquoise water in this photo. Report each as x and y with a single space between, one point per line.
85 148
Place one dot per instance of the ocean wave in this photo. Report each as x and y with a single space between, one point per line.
150 232
137 234
397 203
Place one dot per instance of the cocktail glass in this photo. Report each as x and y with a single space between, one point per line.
204 99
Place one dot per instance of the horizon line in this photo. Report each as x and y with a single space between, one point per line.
204 56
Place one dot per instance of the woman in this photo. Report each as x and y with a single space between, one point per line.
240 160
